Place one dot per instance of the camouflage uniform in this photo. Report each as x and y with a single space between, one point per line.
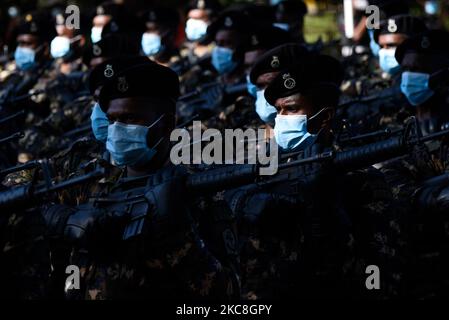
196 262
426 232
294 244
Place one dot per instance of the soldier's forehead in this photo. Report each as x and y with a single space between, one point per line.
267 77
392 38
141 105
294 99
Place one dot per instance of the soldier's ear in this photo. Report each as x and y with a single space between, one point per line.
82 41
45 50
328 115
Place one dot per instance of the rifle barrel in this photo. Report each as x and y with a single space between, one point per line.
14 115
16 135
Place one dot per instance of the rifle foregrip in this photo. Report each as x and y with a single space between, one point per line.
223 178
17 197
370 154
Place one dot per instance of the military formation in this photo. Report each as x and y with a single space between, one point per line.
360 127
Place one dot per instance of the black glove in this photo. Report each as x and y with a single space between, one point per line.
315 178
56 217
84 226
170 219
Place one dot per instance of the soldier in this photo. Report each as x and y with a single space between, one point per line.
67 47
421 57
165 255
32 58
159 39
290 17
242 113
200 15
229 31
307 238
385 105
104 14
265 69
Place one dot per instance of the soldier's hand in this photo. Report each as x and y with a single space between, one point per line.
169 220
84 225
314 176
56 217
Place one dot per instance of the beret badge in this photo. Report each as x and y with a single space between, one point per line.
96 50
228 22
289 82
425 43
108 71
122 85
275 63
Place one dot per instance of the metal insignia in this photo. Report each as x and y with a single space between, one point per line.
114 26
33 27
228 22
100 11
289 82
392 27
122 85
96 50
425 43
254 40
108 72
275 63
201 4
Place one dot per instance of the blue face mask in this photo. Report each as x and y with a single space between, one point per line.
388 62
290 131
99 123
222 60
265 110
283 26
59 47
431 7
373 44
195 29
95 34
252 88
127 144
151 44
25 58
415 86
275 2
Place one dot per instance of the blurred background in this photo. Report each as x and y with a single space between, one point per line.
324 19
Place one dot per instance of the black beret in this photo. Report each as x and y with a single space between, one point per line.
429 42
266 38
255 12
106 70
113 45
208 5
312 71
293 7
127 25
277 59
163 16
229 20
110 8
147 79
38 24
405 24
390 8
60 18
